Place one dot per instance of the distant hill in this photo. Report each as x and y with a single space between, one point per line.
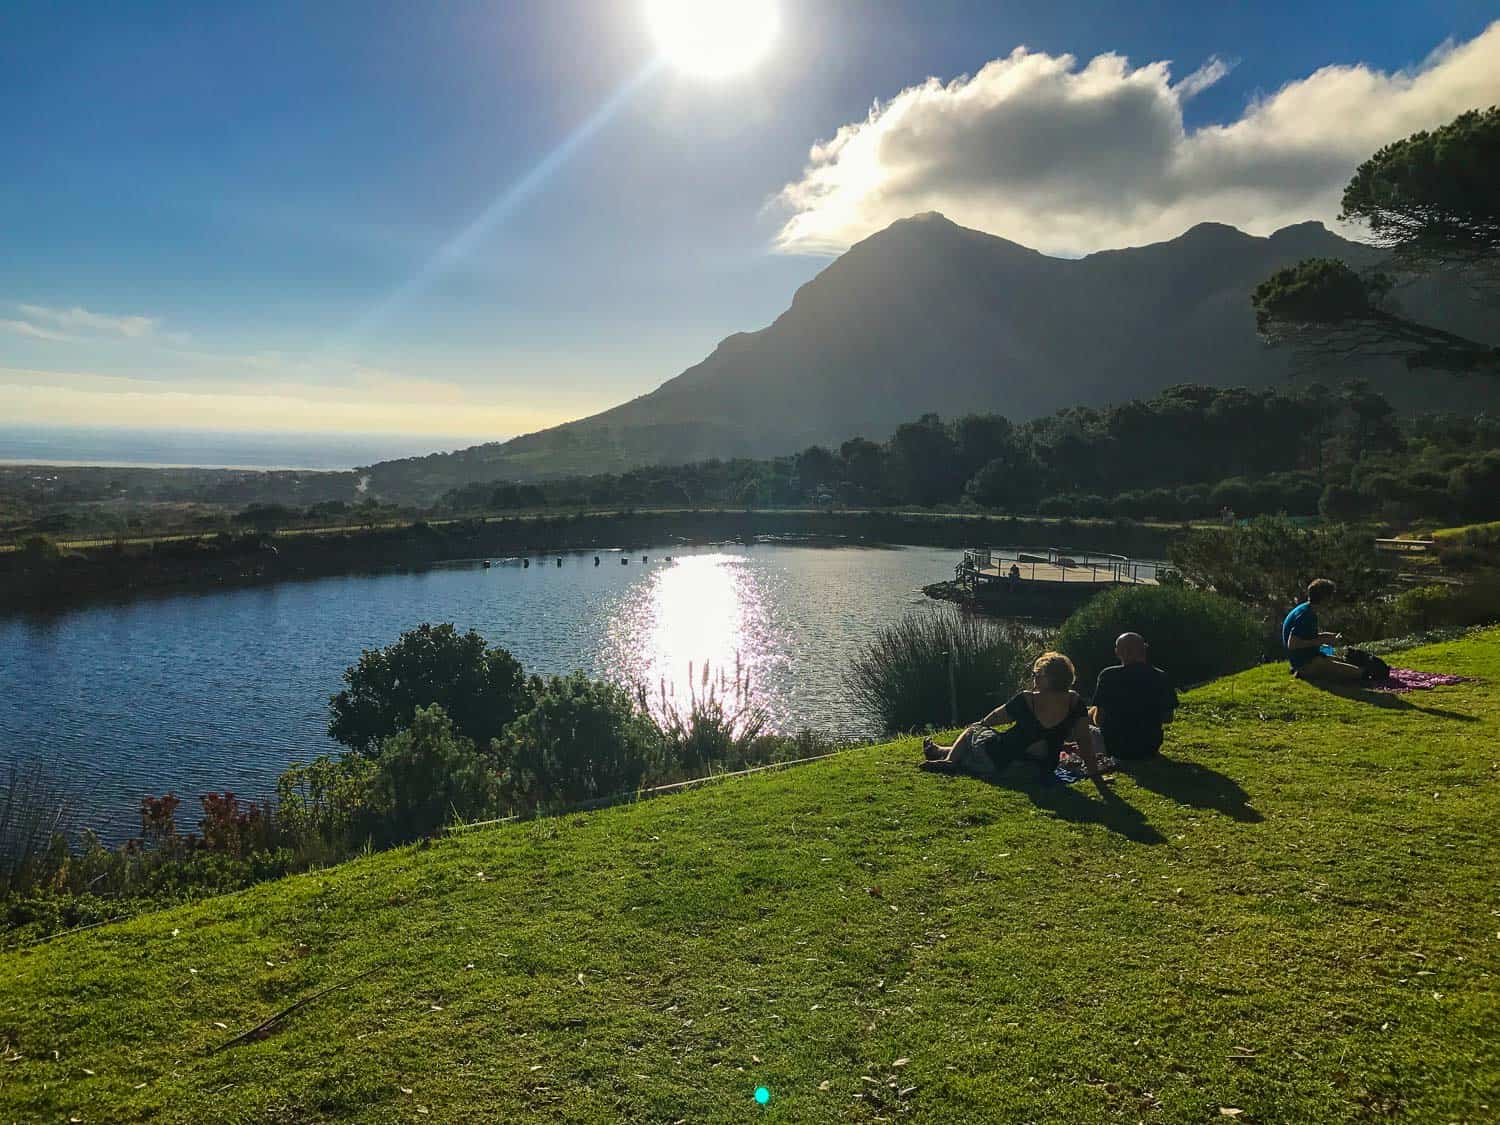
930 316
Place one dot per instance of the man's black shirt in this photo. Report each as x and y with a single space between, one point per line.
1133 701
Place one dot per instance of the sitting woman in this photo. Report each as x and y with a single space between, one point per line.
1043 719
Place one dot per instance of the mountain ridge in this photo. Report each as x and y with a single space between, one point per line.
930 316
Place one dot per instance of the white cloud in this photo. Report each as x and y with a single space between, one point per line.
1070 160
1204 77
81 319
32 331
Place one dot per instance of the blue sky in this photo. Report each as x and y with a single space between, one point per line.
213 215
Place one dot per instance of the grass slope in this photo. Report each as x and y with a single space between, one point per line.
1295 917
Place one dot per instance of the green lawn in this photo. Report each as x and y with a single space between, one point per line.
1296 917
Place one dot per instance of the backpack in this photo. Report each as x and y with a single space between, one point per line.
1371 667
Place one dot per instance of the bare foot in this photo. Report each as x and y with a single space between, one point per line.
932 751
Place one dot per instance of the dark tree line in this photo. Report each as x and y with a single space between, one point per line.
1190 452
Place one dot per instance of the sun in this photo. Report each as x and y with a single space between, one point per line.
713 38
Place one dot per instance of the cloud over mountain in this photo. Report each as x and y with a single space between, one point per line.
1073 159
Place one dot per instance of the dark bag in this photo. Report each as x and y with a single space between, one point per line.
1371 667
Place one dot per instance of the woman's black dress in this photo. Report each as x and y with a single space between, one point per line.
1010 745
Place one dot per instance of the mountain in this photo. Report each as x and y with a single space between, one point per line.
929 316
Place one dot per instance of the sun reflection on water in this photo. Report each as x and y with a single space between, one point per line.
701 622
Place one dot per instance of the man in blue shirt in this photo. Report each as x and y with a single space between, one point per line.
1304 643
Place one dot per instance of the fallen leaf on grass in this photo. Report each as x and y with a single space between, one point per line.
580 980
404 1089
901 1061
221 1025
903 1092
89 1072
824 1085
1229 1111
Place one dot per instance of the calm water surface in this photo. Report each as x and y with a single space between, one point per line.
204 692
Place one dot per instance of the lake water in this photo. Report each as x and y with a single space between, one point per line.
201 692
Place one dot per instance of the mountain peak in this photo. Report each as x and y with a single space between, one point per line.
1311 226
1204 232
928 315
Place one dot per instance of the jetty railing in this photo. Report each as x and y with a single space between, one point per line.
983 565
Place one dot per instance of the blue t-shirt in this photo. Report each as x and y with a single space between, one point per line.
1301 622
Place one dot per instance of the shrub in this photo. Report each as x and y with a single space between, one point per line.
40 548
902 675
481 689
1234 494
581 739
234 829
721 726
1268 563
1194 635
35 810
327 806
427 776
1477 602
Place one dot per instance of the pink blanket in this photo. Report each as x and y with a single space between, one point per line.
1405 679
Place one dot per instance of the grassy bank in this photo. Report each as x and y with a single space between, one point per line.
1292 916
63 575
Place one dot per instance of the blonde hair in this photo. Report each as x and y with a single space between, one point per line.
1055 670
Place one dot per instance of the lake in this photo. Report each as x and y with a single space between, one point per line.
200 692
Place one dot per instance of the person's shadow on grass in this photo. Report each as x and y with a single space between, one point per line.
1191 783
1387 700
1067 803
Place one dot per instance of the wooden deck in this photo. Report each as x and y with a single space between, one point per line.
983 566
1052 572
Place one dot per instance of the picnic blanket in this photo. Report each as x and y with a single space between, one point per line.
1070 767
1408 679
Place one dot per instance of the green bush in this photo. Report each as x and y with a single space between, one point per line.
1476 602
1268 562
581 739
326 807
428 776
1194 635
481 689
40 548
902 675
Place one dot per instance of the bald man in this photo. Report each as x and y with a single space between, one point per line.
1132 700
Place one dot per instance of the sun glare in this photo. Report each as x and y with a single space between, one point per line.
713 38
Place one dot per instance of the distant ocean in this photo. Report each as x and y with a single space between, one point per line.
210 449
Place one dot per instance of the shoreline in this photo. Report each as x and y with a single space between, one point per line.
125 571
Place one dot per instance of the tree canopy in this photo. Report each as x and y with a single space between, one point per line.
1435 196
1434 200
479 688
